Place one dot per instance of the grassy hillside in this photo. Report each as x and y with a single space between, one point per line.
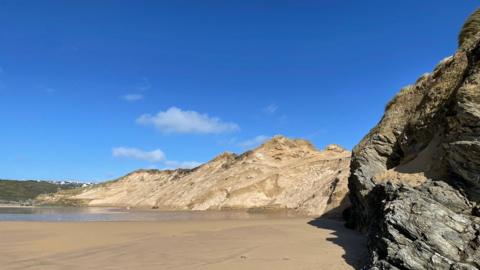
20 191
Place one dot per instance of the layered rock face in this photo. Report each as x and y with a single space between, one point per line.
280 174
429 227
415 178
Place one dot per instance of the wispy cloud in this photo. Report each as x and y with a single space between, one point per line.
137 90
254 142
182 164
132 97
270 109
135 153
175 120
155 156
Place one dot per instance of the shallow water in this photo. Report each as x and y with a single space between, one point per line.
121 214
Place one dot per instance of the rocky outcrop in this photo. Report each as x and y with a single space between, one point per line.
280 174
470 28
415 178
424 228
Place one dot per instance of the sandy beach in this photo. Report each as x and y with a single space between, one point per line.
294 243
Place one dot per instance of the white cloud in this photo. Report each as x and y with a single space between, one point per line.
132 97
254 142
182 164
135 153
143 86
270 109
175 120
155 156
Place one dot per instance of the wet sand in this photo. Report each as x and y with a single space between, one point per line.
290 243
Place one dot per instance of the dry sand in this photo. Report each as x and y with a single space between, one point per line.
226 244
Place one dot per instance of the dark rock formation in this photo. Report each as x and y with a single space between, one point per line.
415 178
423 229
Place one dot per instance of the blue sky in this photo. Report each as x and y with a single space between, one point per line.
91 90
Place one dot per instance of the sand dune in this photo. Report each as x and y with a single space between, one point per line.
280 174
227 244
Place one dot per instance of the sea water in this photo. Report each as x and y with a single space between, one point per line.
66 214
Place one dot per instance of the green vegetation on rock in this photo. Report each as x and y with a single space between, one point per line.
470 28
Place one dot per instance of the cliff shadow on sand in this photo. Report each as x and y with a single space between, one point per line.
352 242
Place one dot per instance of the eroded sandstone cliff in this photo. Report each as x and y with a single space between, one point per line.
280 174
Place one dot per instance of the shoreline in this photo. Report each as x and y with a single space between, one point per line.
253 211
110 214
3 205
